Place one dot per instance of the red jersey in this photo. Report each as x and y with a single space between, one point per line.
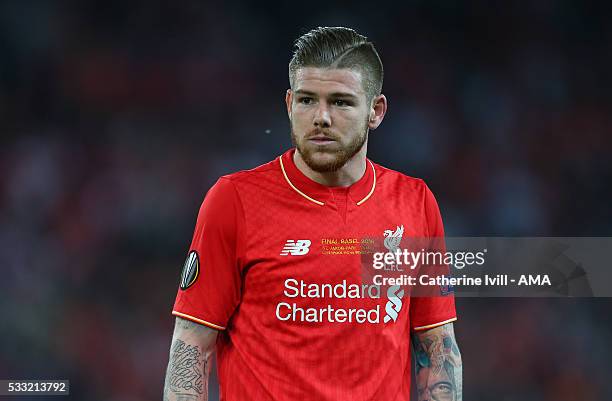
275 265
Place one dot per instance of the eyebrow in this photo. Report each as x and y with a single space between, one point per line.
334 94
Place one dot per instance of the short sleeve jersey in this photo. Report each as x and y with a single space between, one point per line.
276 265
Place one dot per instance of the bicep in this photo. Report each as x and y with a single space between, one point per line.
194 334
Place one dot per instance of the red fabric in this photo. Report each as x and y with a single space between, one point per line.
245 223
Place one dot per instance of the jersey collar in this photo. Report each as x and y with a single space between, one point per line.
320 194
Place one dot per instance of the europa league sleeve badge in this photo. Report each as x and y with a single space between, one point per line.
191 270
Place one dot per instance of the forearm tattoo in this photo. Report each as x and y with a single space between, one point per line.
438 365
187 368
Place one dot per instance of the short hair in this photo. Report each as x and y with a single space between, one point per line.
339 47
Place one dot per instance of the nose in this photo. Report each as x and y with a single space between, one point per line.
322 119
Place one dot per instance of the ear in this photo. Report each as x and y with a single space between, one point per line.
289 101
377 111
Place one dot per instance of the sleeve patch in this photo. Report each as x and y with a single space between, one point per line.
191 270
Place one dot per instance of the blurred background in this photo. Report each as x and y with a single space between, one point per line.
116 117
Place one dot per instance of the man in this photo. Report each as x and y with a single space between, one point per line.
274 276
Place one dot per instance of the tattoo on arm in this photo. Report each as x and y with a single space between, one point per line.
438 364
188 366
186 369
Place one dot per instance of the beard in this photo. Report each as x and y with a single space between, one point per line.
339 153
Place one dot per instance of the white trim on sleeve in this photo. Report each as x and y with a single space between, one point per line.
431 326
196 320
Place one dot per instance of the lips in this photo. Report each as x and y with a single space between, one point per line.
321 139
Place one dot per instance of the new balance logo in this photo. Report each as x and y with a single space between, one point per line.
296 247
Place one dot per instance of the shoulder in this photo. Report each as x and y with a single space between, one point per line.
412 192
246 185
396 181
270 169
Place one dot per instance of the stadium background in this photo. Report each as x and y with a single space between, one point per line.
116 117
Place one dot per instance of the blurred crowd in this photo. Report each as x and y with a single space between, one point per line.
116 117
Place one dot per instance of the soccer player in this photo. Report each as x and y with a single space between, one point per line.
273 277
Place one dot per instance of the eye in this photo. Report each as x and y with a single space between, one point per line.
442 388
305 100
340 102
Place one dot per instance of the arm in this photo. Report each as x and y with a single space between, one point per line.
438 364
188 366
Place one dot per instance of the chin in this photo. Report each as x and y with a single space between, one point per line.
323 162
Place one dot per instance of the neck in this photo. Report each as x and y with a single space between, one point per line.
345 176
